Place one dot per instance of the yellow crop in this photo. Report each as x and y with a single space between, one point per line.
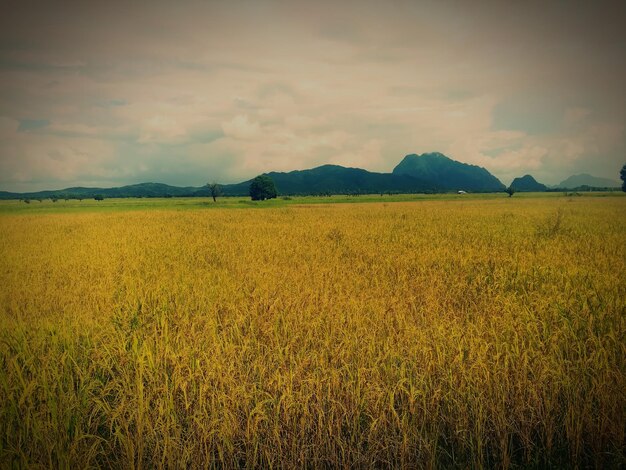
473 333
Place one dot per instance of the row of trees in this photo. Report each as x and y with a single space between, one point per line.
27 200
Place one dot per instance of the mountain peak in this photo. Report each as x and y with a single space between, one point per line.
426 156
527 183
447 173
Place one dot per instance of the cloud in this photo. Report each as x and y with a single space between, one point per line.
128 93
45 158
241 128
8 127
532 112
27 125
113 102
162 129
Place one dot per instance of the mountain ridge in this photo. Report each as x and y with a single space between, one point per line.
337 179
585 179
426 173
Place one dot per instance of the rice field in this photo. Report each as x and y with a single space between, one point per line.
463 333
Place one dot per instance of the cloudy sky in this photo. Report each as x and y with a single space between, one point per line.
112 93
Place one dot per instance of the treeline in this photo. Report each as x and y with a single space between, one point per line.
583 188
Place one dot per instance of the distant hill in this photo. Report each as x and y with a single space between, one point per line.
527 183
326 179
576 181
448 174
134 190
337 179
427 173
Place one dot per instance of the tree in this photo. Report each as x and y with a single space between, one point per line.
99 197
262 187
215 190
622 175
510 191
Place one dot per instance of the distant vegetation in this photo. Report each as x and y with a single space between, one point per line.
262 187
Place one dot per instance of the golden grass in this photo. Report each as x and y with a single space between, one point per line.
429 334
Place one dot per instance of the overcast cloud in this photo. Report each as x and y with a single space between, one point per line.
111 93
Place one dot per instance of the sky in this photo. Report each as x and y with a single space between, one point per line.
189 92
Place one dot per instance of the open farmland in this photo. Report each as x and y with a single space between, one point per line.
435 333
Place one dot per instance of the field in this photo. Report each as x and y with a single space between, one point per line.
403 332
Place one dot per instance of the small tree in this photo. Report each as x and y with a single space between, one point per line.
622 175
99 197
215 190
510 191
262 187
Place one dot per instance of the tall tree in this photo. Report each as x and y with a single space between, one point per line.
262 187
622 175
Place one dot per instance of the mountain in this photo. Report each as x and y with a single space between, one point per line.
427 173
134 190
448 174
326 179
584 179
527 183
337 179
